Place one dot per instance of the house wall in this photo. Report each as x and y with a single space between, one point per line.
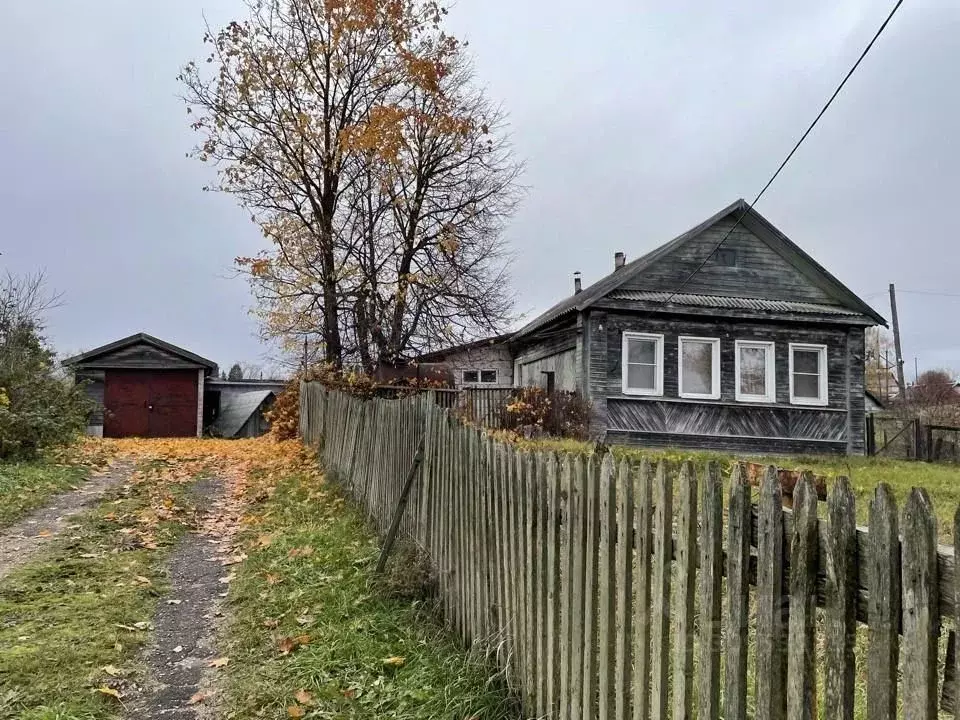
556 354
93 386
726 424
493 357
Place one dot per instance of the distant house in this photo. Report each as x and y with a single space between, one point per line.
483 363
745 345
143 386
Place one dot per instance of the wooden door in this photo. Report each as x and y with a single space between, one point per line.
126 397
150 403
173 403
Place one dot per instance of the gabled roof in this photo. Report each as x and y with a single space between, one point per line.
139 339
753 221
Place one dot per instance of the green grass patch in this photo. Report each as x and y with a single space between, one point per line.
354 650
74 620
29 485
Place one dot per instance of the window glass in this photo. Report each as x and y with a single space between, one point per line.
642 373
753 370
808 380
697 358
471 376
488 376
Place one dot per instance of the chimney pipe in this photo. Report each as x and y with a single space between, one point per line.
577 287
619 260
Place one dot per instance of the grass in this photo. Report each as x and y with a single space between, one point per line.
26 486
355 649
73 620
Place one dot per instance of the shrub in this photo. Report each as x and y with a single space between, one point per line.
39 408
532 411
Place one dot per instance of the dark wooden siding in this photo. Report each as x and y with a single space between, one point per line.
142 355
724 423
760 271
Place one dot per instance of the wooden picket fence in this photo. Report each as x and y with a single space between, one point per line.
611 591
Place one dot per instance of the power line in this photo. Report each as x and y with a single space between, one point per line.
792 152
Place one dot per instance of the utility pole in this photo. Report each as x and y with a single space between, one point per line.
896 343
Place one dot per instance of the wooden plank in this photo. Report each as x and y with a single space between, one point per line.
554 585
623 572
607 596
660 593
920 622
592 546
840 623
529 571
567 542
541 584
711 573
507 566
801 676
954 700
643 549
578 487
883 640
770 695
398 514
685 593
498 514
513 530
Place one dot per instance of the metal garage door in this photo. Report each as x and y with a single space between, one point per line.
150 403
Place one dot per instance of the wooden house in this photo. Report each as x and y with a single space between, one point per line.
746 346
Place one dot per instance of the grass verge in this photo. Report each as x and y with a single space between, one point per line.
313 635
28 485
73 621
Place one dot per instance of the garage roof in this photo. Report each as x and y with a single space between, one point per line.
112 355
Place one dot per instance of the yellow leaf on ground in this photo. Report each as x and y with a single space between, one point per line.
271 623
394 661
112 670
198 697
303 697
142 580
109 691
288 644
295 711
219 662
44 533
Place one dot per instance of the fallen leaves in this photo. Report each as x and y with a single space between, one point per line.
219 662
394 661
271 623
198 697
303 697
288 644
305 551
295 711
109 692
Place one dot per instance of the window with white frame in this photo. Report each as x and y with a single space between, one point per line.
484 377
755 371
642 364
808 374
699 367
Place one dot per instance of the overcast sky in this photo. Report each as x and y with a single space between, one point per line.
636 121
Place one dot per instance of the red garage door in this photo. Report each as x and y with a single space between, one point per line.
150 403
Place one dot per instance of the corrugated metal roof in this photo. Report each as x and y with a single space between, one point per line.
236 408
735 303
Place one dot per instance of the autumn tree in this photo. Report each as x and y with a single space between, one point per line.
323 117
935 389
879 367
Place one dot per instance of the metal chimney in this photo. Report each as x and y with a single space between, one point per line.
577 285
619 260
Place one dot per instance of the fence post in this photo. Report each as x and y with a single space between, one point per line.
686 568
738 595
801 673
660 593
642 518
883 612
623 572
840 606
711 572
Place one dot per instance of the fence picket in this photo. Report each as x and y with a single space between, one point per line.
590 588
685 590
642 519
567 541
840 611
660 593
711 573
554 587
578 583
920 627
801 677
623 572
541 584
883 586
607 596
529 569
770 696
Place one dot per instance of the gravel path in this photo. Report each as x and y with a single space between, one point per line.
21 542
178 683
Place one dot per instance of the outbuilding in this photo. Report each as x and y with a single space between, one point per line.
144 387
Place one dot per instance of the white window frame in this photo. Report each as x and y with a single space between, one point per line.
771 371
715 366
823 384
657 390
